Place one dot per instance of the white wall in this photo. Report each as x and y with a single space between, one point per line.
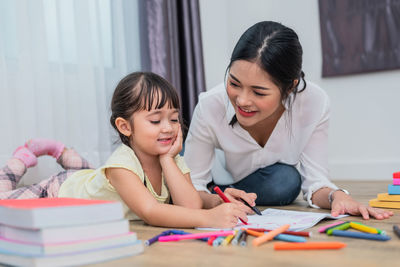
365 124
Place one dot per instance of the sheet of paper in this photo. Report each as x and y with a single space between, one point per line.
274 218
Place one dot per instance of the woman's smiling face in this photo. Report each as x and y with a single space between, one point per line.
253 94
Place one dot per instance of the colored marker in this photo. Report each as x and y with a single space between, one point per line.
367 229
218 241
243 240
155 238
235 240
289 238
270 235
254 233
344 226
309 245
257 211
180 232
326 227
396 230
361 235
286 232
225 199
194 236
228 239
211 240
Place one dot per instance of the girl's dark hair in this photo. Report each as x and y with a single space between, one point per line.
277 50
141 91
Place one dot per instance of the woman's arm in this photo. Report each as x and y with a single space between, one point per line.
343 203
142 203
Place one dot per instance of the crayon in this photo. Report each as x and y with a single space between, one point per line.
225 199
326 227
365 228
270 235
309 245
343 226
361 235
194 236
396 230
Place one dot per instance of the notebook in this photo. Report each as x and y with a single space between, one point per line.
51 212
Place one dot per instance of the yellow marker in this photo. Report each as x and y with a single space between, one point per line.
364 228
228 239
344 226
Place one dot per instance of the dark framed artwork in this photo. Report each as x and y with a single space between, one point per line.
359 36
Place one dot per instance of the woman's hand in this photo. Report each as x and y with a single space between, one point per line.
234 196
225 215
343 203
176 146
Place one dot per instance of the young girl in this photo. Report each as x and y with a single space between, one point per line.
145 173
266 130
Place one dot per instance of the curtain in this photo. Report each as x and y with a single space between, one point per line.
60 61
172 47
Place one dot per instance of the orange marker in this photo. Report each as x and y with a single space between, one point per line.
253 233
309 245
270 235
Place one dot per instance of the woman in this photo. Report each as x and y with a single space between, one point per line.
265 130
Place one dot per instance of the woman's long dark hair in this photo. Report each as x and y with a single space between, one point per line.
277 50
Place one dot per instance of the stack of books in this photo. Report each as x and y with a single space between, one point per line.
64 232
391 199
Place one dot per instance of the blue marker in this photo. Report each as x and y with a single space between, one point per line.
289 238
361 235
218 241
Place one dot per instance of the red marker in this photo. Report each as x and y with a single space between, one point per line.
225 199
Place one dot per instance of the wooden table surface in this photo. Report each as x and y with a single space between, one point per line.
357 253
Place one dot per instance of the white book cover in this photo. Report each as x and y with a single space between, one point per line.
52 212
48 249
76 259
65 233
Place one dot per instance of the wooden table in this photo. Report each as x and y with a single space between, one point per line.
357 253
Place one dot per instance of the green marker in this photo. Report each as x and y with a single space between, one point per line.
344 226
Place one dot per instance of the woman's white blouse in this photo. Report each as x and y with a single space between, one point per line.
214 150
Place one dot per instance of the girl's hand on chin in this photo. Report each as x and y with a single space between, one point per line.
176 146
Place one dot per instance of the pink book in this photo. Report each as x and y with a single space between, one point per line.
55 212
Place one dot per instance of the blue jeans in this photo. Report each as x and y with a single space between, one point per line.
275 185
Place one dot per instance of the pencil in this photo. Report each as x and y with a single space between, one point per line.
309 245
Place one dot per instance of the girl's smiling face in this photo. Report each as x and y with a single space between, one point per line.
254 96
154 131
